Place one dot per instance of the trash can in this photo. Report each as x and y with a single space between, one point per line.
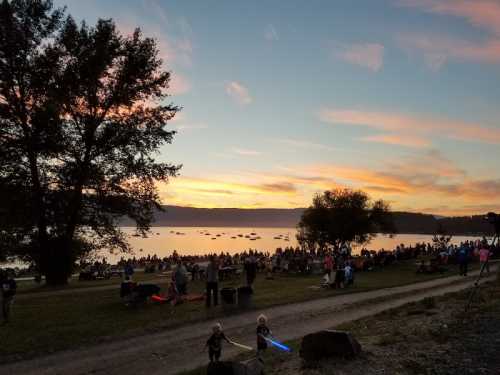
228 298
245 297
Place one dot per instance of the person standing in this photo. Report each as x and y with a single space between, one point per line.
263 332
328 265
484 256
181 278
212 282
214 343
9 288
463 259
250 269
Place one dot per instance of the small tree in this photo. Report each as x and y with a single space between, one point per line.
80 121
343 216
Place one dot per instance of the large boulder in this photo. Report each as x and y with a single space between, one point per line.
250 367
327 344
220 368
253 366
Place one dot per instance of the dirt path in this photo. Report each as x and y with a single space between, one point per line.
179 349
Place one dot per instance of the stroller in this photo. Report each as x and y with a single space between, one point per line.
137 294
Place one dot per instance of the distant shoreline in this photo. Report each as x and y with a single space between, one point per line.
405 222
155 225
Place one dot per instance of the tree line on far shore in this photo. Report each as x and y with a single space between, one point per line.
404 222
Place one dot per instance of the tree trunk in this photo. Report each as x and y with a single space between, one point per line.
57 261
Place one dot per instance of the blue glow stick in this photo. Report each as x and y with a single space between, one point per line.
277 344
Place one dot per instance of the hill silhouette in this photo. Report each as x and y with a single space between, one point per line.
406 222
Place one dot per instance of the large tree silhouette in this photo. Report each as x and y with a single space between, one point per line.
343 216
80 122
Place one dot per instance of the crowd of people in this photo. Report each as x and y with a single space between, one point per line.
338 266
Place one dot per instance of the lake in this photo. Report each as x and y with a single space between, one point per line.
196 240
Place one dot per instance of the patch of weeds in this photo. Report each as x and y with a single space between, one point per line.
413 367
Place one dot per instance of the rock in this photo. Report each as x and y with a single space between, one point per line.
251 367
220 368
328 343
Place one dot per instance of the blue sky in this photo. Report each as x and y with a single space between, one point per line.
285 99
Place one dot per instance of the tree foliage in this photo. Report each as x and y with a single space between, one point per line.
81 119
343 216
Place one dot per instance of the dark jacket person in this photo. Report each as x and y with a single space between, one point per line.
212 282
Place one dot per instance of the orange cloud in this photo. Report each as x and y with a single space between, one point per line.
400 140
366 55
405 125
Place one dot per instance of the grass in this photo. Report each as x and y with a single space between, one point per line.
46 323
74 283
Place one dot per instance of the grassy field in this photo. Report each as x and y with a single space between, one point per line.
47 323
74 283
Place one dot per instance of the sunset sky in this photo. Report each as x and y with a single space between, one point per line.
283 99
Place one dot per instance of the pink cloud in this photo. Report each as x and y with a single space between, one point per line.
238 92
179 84
412 125
366 55
480 13
438 49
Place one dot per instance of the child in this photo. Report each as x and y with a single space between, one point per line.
262 332
214 343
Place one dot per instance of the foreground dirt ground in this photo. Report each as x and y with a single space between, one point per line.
433 336
180 349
